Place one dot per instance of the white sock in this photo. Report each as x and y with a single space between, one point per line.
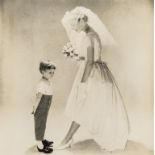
40 145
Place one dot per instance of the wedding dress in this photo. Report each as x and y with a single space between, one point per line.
97 104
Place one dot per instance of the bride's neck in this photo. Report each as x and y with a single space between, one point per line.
86 29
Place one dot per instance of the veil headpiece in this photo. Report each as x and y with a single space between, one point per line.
71 17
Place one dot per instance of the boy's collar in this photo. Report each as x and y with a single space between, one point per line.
45 78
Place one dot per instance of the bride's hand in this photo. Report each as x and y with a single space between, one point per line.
81 58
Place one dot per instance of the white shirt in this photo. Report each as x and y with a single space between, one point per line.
45 87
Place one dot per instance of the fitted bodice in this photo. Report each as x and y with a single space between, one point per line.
86 41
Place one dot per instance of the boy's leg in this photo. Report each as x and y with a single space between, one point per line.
40 125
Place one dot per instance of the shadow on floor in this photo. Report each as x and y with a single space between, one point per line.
89 147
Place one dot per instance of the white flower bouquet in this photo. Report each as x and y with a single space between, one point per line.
70 52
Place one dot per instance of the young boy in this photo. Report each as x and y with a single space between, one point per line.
43 102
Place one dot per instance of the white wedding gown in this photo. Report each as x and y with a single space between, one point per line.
97 104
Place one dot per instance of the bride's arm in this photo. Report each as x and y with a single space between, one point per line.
89 63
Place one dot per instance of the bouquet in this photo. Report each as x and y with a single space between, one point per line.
70 52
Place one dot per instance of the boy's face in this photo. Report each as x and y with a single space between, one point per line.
48 73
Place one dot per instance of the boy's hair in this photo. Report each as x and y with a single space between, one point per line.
45 65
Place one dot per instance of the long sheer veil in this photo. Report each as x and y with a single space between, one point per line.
93 21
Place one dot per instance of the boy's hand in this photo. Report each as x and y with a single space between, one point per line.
33 112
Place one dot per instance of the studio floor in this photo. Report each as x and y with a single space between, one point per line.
90 148
17 133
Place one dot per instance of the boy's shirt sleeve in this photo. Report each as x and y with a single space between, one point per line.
41 88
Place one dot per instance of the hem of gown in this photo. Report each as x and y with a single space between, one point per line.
93 136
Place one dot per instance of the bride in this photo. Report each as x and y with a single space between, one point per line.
95 101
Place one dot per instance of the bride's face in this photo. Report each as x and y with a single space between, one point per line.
79 25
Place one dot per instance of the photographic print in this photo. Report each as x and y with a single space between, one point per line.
76 77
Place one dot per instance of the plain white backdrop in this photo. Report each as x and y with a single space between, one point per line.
31 30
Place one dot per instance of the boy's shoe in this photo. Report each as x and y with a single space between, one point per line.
45 150
47 143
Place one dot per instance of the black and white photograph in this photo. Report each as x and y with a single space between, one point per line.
76 77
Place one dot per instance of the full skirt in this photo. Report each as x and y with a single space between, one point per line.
98 106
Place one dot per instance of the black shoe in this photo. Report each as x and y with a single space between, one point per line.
47 143
45 150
